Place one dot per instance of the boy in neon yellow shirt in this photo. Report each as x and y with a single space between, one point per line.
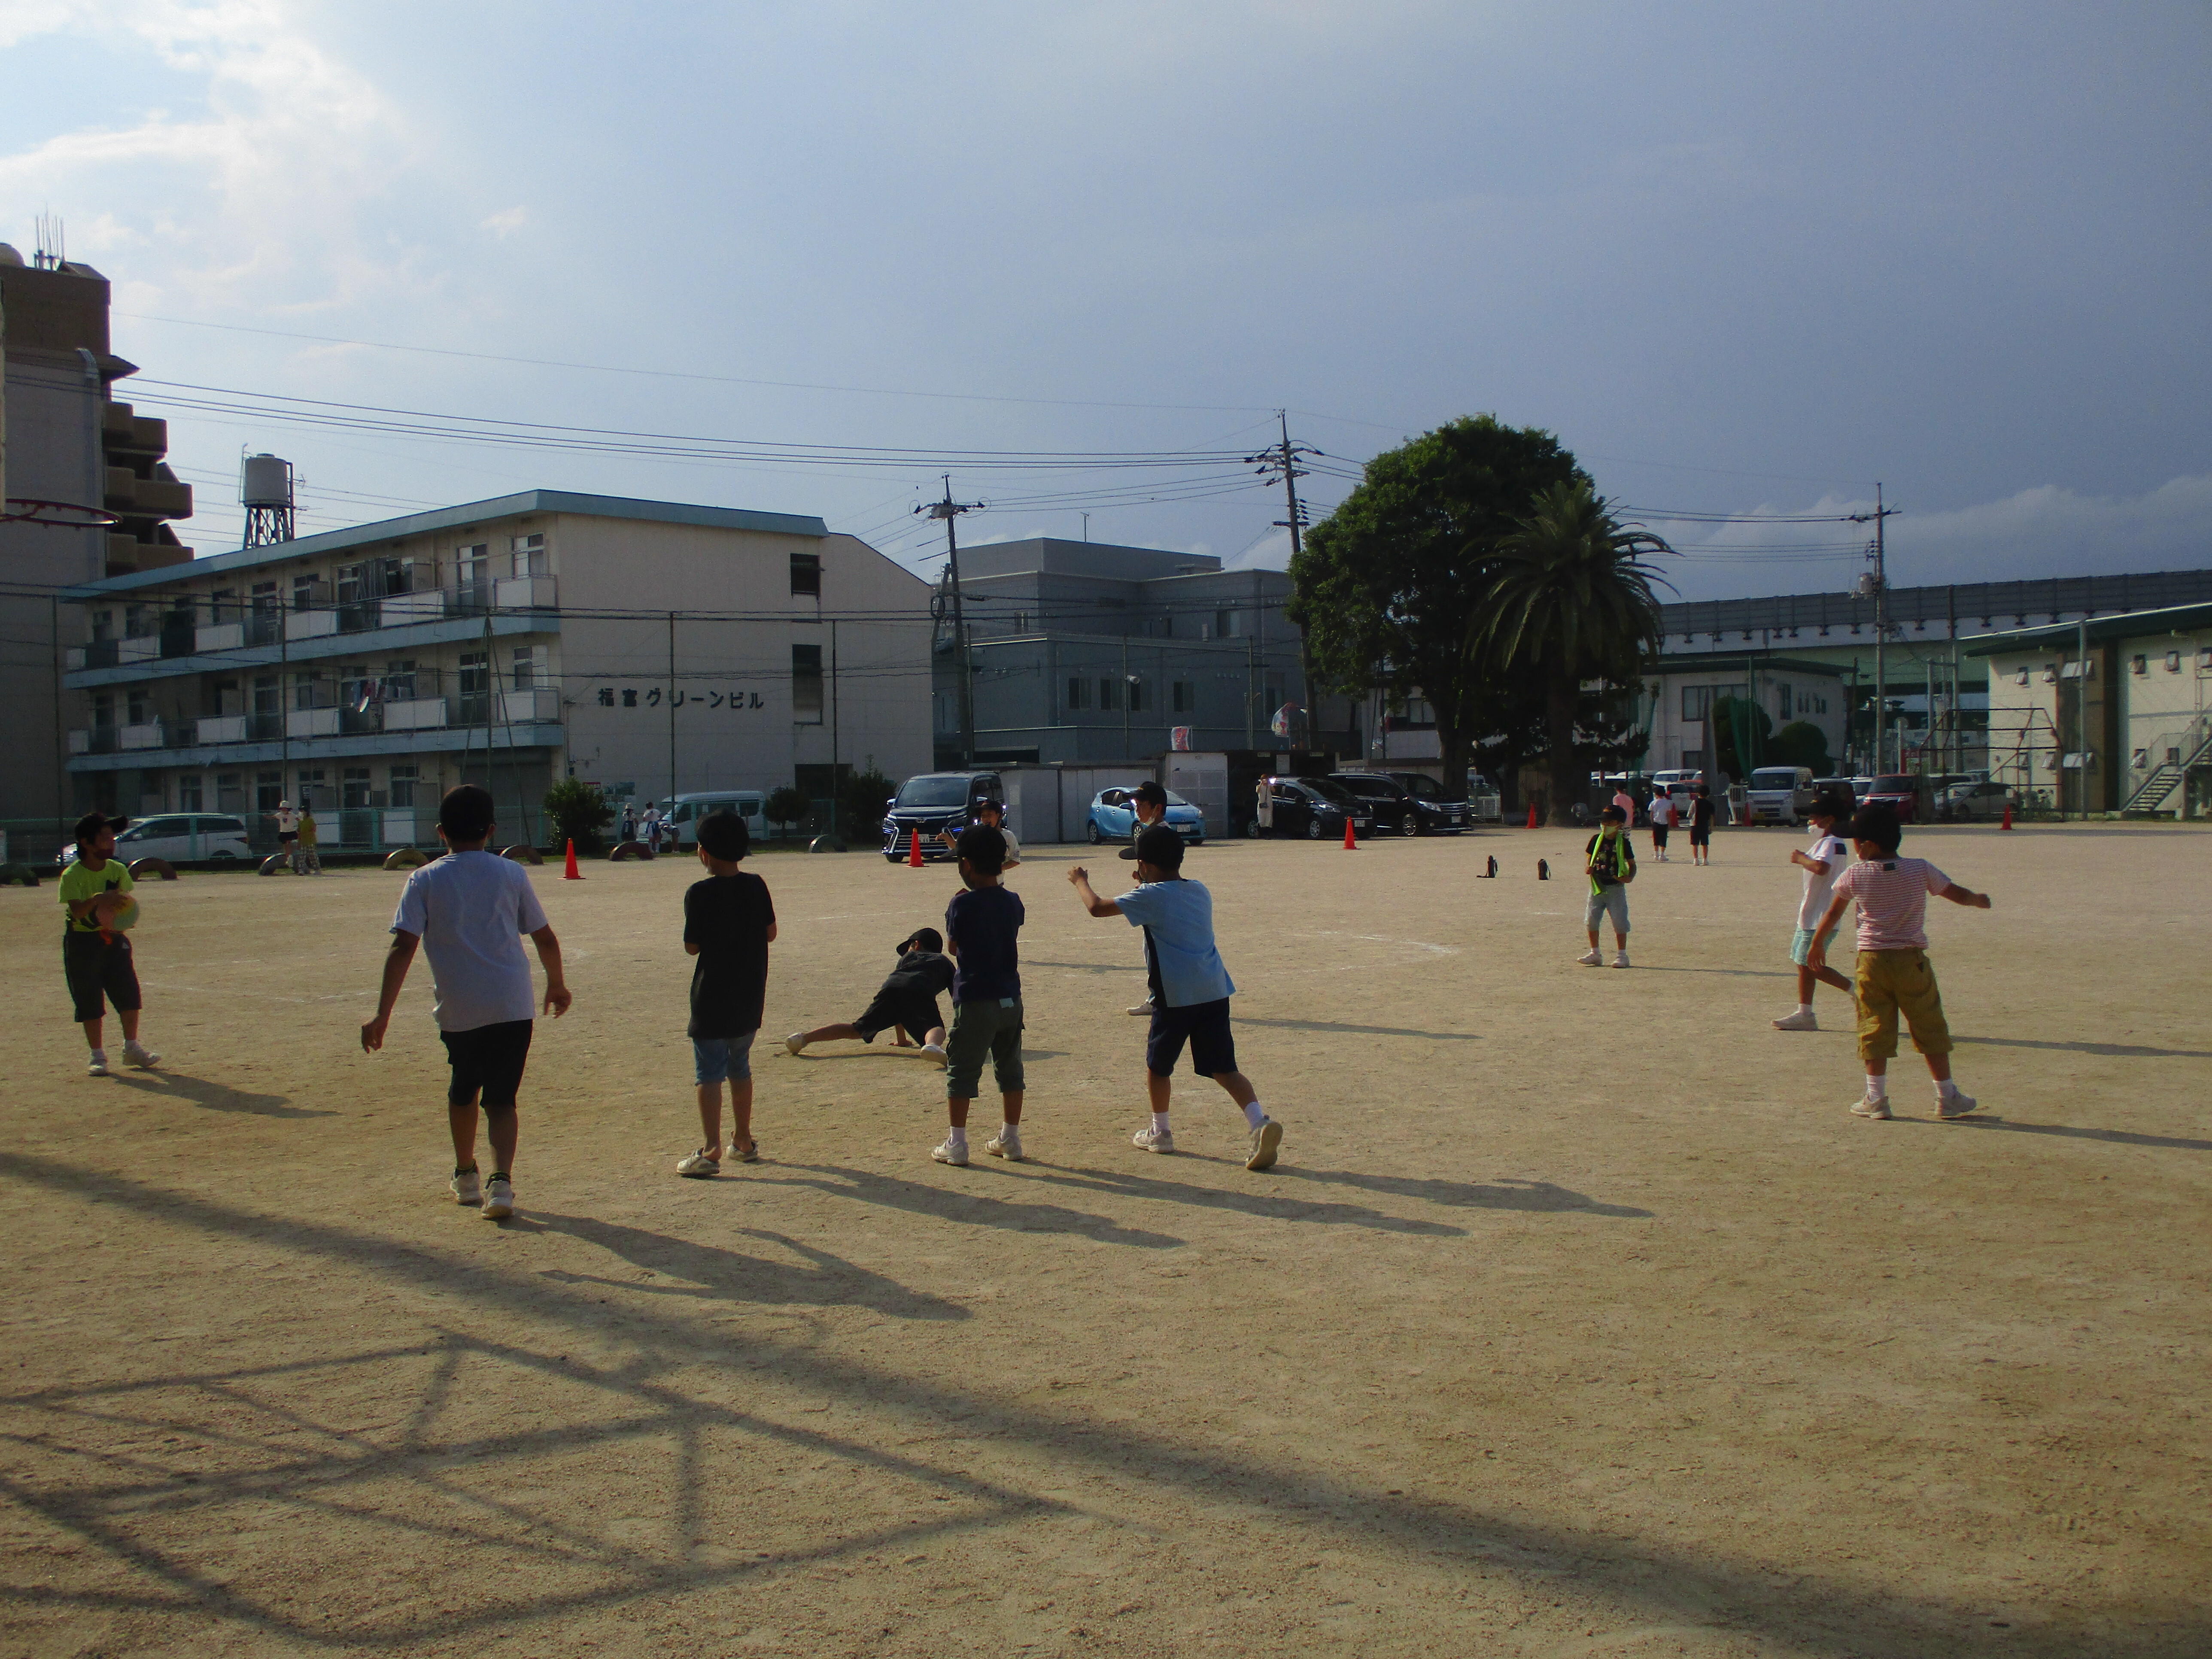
95 891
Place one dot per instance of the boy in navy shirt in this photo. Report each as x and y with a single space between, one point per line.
981 927
1190 989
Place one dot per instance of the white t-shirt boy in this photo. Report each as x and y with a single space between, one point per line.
471 910
1832 850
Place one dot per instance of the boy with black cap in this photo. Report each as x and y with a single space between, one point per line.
729 922
1191 989
981 926
469 910
905 1005
1149 803
96 960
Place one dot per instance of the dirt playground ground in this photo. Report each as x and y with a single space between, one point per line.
1580 1316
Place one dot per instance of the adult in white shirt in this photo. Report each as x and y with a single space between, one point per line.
1822 862
649 828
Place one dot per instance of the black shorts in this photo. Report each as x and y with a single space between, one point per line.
917 1014
1701 837
96 966
1204 1025
1658 835
490 1057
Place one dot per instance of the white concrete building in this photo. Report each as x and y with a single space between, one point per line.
649 647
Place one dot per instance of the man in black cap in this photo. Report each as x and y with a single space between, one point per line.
905 1004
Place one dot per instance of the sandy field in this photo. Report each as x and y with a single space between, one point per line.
1580 1316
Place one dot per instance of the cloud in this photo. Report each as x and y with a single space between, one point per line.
257 197
505 223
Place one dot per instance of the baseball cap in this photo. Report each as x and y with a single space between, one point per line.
1159 847
927 939
93 823
1150 792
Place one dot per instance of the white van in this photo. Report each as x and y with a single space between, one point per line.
1779 794
179 838
684 811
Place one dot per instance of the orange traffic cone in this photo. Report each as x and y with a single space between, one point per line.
572 873
1532 815
2006 824
913 852
1350 845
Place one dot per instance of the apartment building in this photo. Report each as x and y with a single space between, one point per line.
650 646
65 439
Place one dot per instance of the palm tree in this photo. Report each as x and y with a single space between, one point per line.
1570 600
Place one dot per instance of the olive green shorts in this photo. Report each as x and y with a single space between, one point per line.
1895 982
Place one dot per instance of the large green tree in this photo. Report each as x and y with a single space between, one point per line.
1570 601
1389 586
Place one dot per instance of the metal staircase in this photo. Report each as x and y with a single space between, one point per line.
2195 748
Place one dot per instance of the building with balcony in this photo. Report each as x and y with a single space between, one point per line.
650 646
67 441
1085 651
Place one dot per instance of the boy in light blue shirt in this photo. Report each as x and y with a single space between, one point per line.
1190 989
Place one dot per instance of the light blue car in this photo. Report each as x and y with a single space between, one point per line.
1114 817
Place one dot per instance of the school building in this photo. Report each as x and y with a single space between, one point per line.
2113 716
649 647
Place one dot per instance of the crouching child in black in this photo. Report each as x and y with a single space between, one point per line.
905 1004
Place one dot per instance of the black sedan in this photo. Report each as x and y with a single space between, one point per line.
1316 808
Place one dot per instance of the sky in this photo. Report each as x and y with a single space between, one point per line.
1743 260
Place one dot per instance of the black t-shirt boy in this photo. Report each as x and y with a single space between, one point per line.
728 917
981 924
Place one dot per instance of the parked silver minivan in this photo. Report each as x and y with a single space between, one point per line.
1779 794
179 838
684 811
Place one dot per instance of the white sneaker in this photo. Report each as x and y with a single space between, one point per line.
1959 1105
1620 958
699 1164
468 1187
1143 1010
138 1055
1802 1020
933 1054
796 1043
499 1198
1153 1140
953 1152
1875 1108
1591 958
1267 1136
1006 1143
97 1064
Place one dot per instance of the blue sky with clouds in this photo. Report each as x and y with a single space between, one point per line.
1739 257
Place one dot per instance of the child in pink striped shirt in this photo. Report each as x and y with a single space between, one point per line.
1894 974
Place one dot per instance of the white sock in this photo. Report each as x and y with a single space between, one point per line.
1804 1007
1159 1123
1877 1087
958 1136
1946 1087
1253 1114
99 1054
1012 1128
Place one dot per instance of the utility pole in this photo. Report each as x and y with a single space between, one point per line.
1283 459
672 712
948 509
1877 585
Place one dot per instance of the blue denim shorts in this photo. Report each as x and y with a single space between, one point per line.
719 1058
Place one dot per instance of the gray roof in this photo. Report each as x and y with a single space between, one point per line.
453 517
2140 625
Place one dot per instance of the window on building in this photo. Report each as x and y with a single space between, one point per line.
1079 692
229 792
807 684
2139 665
1109 692
2173 756
806 575
267 791
136 707
353 784
475 675
404 778
309 786
307 591
529 667
1137 699
529 556
1184 694
2142 760
313 689
268 694
264 599
2173 662
191 794
222 606
472 564
103 625
1225 625
1697 701
399 680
